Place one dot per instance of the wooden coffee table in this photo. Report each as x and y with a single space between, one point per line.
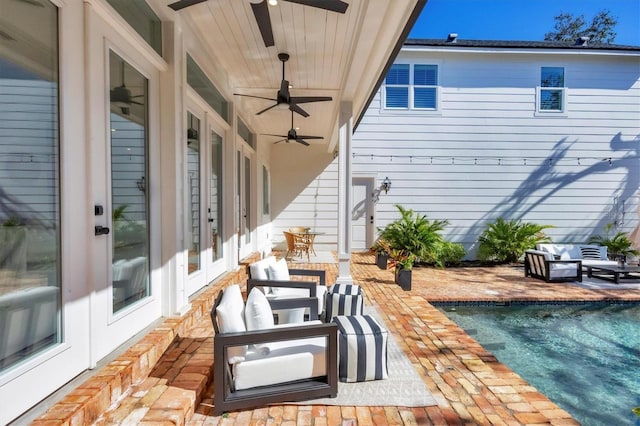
614 273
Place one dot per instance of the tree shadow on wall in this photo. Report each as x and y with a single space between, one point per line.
547 179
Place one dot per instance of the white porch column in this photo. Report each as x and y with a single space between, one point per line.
344 193
175 300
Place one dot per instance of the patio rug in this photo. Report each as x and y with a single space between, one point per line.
319 257
597 284
403 387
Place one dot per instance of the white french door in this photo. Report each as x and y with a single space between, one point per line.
244 197
125 189
204 196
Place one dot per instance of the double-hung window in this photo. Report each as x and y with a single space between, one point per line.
411 86
551 93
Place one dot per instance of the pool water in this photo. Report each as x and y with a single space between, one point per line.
585 358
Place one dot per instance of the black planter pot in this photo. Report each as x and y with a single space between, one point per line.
381 260
403 278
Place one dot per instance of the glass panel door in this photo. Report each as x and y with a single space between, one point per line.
30 264
129 201
243 197
215 197
193 193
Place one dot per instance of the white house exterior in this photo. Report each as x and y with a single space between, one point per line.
132 175
469 131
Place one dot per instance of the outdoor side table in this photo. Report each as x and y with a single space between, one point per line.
362 348
344 299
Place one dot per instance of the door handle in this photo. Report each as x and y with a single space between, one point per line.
101 230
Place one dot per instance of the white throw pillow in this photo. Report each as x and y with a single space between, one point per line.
279 271
230 317
258 314
260 269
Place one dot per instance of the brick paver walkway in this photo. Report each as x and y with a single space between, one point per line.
166 379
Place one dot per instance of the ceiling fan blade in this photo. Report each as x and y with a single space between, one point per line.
309 137
261 12
330 5
281 140
270 134
181 4
305 143
32 3
257 97
267 109
307 99
296 108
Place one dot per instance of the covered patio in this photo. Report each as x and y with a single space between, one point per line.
165 377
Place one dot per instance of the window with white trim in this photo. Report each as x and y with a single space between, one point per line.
551 93
411 86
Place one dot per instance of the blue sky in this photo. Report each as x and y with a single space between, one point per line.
519 19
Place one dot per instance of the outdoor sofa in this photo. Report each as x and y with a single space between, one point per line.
590 254
257 362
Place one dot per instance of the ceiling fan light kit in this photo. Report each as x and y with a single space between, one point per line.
283 95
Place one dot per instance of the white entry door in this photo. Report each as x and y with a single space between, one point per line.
362 214
125 190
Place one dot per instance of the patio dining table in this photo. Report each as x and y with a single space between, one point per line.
309 237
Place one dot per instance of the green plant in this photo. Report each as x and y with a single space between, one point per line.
617 245
413 233
449 254
402 259
380 246
505 241
12 221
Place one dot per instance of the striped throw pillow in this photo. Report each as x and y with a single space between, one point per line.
590 252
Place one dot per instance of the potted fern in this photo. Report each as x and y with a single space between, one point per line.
619 246
403 262
381 249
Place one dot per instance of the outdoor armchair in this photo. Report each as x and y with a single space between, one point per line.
543 265
257 362
277 281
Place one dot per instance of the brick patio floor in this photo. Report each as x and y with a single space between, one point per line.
165 379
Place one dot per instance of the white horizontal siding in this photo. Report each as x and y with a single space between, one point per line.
316 207
487 154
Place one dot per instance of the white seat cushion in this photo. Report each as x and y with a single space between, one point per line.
286 361
563 270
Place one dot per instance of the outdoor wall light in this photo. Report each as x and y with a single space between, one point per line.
142 184
386 185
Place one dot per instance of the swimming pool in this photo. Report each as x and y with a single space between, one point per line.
584 357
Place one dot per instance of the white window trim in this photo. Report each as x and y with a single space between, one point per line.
410 109
562 112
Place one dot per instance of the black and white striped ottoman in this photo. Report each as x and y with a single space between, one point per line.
344 299
362 348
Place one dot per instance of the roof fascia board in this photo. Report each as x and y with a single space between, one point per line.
392 57
511 50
